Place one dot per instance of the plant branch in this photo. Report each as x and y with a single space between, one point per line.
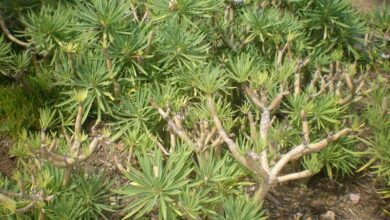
253 162
63 161
252 125
158 143
352 89
316 77
134 11
302 149
281 53
298 69
77 128
119 165
210 135
265 123
179 131
275 103
9 34
25 209
254 97
231 144
305 128
295 176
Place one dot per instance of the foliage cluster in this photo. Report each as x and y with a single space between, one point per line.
217 103
378 118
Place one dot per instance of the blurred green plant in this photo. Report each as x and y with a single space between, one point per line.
19 107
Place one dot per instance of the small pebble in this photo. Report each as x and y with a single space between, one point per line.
355 198
120 146
298 216
329 215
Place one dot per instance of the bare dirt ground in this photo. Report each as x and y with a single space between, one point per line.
367 5
7 164
310 201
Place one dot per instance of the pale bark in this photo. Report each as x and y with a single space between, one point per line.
295 176
9 35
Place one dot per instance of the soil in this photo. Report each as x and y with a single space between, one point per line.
367 5
7 164
311 200
103 160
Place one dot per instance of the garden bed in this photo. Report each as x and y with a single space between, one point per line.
168 109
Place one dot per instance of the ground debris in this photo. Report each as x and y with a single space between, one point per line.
354 198
310 200
7 164
329 215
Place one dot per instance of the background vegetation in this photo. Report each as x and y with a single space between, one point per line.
216 102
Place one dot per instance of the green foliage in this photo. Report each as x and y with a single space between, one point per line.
313 163
380 152
137 140
127 49
157 184
340 159
183 9
102 17
243 68
91 75
322 112
271 26
86 198
219 176
179 46
5 49
241 208
19 108
133 113
379 121
204 79
201 112
93 192
32 140
378 118
169 95
331 24
193 203
6 204
19 63
48 28
382 18
203 93
66 208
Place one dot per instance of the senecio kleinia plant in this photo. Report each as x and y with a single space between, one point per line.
216 102
65 151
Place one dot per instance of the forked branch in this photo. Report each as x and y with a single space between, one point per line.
176 127
201 138
234 149
259 164
48 148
